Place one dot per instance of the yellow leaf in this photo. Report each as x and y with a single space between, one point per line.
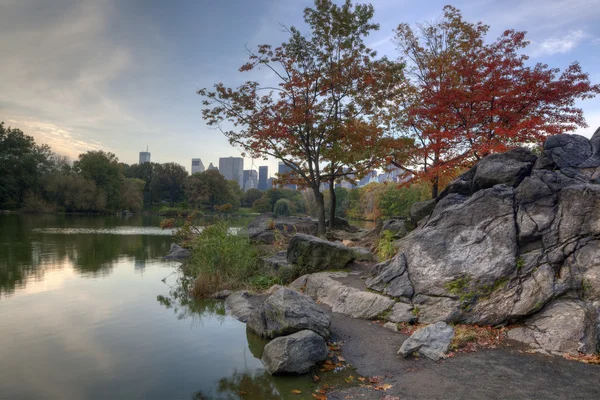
295 391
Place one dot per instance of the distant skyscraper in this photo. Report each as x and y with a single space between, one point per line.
144 156
211 167
250 179
270 183
232 168
284 169
197 165
263 176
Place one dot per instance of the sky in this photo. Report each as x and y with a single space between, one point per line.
120 75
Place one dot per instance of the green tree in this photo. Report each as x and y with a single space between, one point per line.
103 169
251 196
170 178
209 188
328 102
23 163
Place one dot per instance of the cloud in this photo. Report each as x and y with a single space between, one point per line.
560 45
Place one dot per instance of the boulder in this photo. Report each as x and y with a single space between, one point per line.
568 151
177 252
342 225
431 341
566 326
295 353
362 254
222 295
278 266
399 227
508 168
392 278
287 311
402 312
421 209
263 229
310 254
343 299
239 305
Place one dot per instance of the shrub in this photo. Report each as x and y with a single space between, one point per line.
222 260
33 203
385 246
282 208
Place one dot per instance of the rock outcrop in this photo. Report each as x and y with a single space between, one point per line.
432 341
295 353
239 306
265 228
516 239
312 254
286 312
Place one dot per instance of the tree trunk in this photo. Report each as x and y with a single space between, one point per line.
332 203
319 199
435 187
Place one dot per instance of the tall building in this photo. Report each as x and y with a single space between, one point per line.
232 168
211 167
284 169
197 165
250 179
144 156
263 176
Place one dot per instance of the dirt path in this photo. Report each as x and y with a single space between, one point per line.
502 373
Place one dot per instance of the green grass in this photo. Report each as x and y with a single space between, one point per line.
385 246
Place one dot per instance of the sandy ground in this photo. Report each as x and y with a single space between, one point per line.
502 373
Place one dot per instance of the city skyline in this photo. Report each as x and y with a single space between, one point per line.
83 75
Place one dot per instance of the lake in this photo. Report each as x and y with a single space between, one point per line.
87 311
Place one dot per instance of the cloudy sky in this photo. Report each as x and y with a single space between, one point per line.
120 75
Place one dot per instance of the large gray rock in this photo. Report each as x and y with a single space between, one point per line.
508 168
421 209
287 311
177 252
398 227
295 353
341 298
431 341
568 151
311 254
392 278
402 312
239 305
566 326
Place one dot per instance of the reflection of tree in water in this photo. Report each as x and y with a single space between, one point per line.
245 385
25 256
185 306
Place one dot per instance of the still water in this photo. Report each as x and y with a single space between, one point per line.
87 312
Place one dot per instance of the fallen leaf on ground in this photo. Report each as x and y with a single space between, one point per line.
296 391
383 387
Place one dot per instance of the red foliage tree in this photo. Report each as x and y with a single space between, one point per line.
467 99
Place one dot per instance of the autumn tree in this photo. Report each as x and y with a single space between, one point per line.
326 103
466 98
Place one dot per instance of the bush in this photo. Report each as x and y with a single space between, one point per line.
222 260
33 203
385 246
282 208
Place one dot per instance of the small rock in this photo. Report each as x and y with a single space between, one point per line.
402 312
311 254
391 326
295 353
178 252
348 243
222 294
432 341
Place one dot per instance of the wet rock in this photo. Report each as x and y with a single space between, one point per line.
565 326
177 252
239 305
432 341
345 299
421 209
295 353
310 254
287 311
